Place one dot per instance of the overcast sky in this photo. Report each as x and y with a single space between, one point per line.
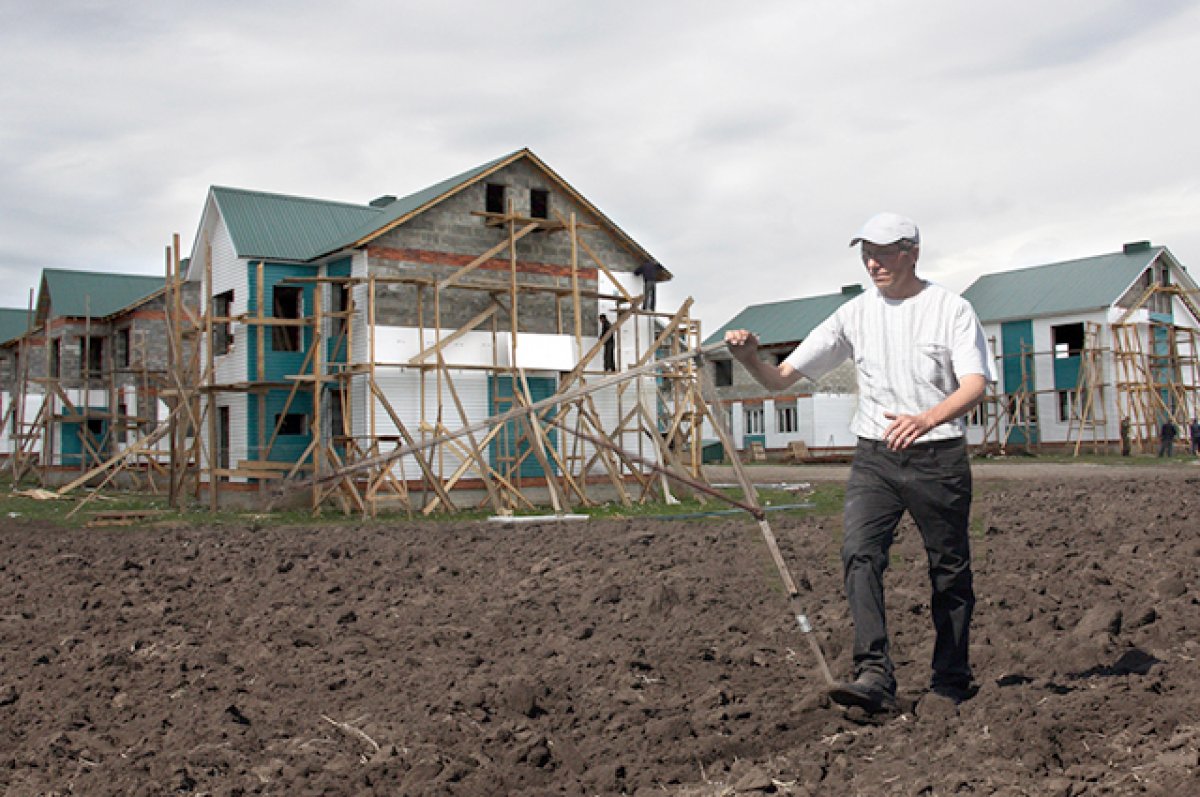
741 143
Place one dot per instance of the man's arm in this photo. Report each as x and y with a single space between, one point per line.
905 429
743 345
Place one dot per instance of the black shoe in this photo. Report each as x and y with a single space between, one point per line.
869 696
958 694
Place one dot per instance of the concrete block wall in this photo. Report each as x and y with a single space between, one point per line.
443 239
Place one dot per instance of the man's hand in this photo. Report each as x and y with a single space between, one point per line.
743 344
905 429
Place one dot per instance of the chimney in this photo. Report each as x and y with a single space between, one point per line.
1133 247
852 290
382 201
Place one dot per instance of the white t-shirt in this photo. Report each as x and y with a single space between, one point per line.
908 354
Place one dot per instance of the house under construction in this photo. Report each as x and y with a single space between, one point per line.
1083 344
357 351
85 377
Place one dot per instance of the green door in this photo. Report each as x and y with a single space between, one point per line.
512 444
1016 340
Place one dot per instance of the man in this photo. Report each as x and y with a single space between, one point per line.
650 272
610 345
922 363
1194 431
1126 443
1166 438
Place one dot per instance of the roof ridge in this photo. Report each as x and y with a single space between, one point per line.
57 270
1153 250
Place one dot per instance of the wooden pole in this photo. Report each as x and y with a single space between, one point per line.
521 411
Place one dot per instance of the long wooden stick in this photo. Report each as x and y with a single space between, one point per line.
751 497
515 412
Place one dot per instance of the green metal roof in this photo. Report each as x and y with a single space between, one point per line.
788 321
77 294
1072 286
280 227
13 324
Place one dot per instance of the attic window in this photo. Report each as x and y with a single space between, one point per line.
494 197
539 203
723 372
288 303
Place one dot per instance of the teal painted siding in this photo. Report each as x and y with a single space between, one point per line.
287 448
1016 340
277 364
336 352
513 441
1066 372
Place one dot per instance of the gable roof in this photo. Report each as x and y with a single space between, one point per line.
1072 286
789 321
282 227
95 294
13 324
302 229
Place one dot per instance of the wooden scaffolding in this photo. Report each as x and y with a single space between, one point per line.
609 430
109 409
1150 373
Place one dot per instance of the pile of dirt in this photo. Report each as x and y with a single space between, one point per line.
614 657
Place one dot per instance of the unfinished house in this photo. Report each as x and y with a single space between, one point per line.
14 324
1082 344
86 376
813 417
343 343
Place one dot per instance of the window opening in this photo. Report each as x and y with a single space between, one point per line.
1066 405
786 419
124 341
1068 340
222 326
539 203
93 361
754 420
494 198
723 372
287 304
294 423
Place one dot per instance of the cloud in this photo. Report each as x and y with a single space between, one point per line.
747 141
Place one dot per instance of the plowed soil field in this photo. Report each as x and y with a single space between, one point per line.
644 657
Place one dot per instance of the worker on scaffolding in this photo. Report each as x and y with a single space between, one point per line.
610 343
651 273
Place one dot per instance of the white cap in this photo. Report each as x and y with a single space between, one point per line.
887 228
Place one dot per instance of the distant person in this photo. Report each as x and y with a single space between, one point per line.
610 345
1194 431
922 363
1166 438
650 272
1125 441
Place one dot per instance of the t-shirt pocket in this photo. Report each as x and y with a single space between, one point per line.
934 365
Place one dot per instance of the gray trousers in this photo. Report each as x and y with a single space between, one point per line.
932 481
